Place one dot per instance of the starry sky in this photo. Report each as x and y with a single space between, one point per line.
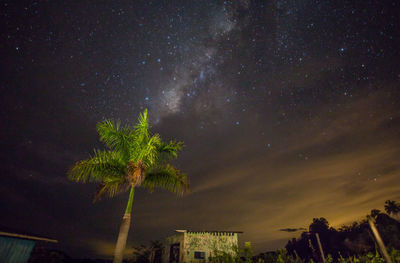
289 110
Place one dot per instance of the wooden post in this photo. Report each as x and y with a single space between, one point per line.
379 240
320 248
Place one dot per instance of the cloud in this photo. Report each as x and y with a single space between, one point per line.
106 248
292 229
332 167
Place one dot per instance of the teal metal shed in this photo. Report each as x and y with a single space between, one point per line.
17 248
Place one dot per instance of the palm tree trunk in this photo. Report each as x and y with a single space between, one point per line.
124 229
379 240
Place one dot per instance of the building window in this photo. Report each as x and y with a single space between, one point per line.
199 255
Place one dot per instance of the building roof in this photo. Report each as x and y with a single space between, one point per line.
7 234
208 231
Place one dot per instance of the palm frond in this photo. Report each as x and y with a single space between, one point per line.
111 185
95 169
392 207
170 150
99 192
150 151
142 128
168 178
147 151
134 157
114 136
116 185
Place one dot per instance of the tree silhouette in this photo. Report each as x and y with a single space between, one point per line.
392 207
319 225
349 240
375 213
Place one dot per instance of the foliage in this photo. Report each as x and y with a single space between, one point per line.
239 255
224 257
392 207
247 252
375 213
133 157
319 225
148 254
352 243
282 256
349 240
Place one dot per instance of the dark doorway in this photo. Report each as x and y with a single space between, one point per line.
174 253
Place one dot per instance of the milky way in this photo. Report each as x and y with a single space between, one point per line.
289 110
194 78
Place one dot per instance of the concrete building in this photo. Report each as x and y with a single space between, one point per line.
197 246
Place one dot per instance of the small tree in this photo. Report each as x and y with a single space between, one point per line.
247 253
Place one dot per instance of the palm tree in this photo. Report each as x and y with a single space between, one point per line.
133 158
375 213
392 207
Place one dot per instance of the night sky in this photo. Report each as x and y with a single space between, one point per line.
289 110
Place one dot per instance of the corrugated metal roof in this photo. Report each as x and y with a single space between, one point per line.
27 237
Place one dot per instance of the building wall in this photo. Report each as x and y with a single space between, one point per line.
178 238
191 242
208 243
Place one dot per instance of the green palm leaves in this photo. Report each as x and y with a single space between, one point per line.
134 157
166 177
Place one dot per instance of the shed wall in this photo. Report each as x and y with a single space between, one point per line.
15 250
